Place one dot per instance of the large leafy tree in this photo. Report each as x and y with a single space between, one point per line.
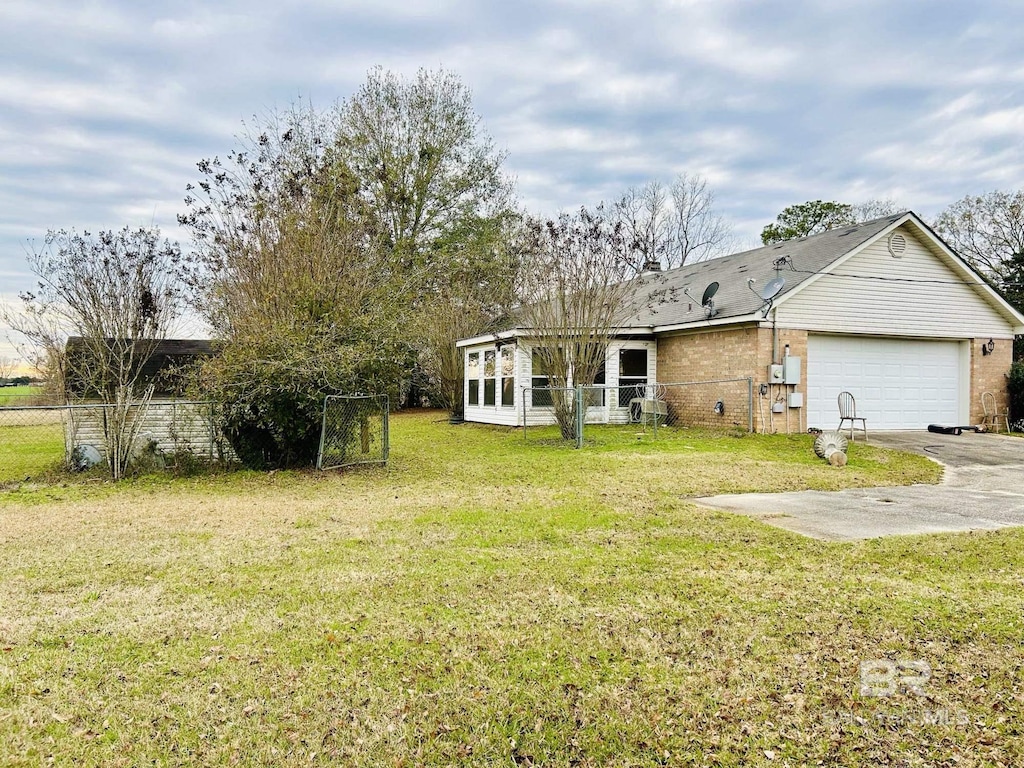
424 163
289 271
817 216
806 219
346 250
431 179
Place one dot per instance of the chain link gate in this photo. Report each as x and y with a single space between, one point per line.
354 431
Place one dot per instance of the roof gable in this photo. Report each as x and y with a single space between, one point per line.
909 292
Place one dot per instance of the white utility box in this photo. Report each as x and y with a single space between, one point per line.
791 369
796 399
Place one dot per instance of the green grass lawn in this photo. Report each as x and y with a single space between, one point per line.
29 450
487 601
20 395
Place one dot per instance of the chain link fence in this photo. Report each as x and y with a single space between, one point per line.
354 431
720 404
35 440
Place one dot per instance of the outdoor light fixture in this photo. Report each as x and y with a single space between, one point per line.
989 348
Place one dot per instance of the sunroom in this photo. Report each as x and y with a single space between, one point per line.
505 383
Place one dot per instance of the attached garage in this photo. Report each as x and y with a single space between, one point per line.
898 383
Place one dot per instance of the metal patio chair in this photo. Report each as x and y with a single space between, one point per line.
848 412
993 416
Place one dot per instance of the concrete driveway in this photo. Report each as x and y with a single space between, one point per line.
982 488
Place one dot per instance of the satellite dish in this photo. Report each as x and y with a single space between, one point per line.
709 293
84 457
773 288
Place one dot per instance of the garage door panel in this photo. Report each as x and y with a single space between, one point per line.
898 383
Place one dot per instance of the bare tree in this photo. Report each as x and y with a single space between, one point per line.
645 216
987 230
672 225
876 208
577 293
700 233
101 306
7 366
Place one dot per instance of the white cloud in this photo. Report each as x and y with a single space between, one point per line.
106 105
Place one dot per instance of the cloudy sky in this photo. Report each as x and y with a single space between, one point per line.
106 105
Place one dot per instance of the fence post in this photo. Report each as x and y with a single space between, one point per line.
523 400
657 415
323 430
579 416
387 428
750 405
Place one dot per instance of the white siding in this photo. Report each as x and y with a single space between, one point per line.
173 426
494 414
898 305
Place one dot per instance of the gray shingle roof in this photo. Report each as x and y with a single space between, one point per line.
661 299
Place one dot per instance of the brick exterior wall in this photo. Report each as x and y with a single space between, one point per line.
735 353
797 341
988 374
748 351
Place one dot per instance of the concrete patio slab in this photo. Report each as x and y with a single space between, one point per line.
982 488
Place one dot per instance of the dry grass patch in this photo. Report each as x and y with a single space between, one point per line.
487 602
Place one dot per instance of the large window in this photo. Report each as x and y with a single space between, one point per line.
473 378
632 375
508 376
491 374
489 369
596 397
541 398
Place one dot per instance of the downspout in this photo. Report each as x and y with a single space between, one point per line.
775 336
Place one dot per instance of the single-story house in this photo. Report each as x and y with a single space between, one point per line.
883 309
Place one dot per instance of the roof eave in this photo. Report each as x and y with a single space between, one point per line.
513 333
753 317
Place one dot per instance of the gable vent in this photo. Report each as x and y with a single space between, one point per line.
897 244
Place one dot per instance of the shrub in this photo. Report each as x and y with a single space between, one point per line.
1016 390
270 389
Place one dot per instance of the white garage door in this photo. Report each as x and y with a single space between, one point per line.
898 383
